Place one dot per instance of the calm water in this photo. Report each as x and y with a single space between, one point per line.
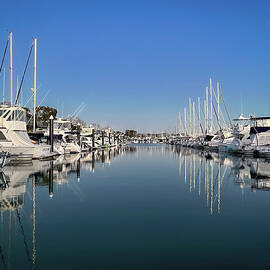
139 207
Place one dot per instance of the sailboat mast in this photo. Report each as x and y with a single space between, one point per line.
211 106
179 123
218 104
199 114
190 118
205 121
194 121
185 116
206 113
35 85
11 66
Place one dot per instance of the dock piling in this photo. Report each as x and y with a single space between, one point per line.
51 132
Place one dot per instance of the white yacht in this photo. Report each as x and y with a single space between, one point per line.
239 142
261 143
70 145
66 140
13 134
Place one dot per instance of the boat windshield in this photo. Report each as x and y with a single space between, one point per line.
2 136
62 125
2 112
17 115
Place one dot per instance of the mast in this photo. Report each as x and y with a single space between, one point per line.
205 119
206 113
11 66
35 84
185 116
190 118
194 121
211 106
218 106
199 114
179 123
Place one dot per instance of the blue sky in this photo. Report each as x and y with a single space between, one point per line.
135 63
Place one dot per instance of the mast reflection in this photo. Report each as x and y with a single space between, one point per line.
253 173
204 172
53 174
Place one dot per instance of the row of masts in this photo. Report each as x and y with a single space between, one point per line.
34 89
193 124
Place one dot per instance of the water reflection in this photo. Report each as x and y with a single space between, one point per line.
205 172
13 189
204 175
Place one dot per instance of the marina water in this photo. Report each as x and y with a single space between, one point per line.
136 207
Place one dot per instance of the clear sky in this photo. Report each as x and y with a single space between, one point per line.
135 63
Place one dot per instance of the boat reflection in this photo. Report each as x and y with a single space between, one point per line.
13 189
204 173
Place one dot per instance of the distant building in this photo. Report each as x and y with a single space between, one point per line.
131 133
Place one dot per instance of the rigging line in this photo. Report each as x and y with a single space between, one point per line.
77 110
28 100
38 105
82 108
220 110
225 106
21 113
181 121
216 115
3 58
199 119
24 238
18 93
